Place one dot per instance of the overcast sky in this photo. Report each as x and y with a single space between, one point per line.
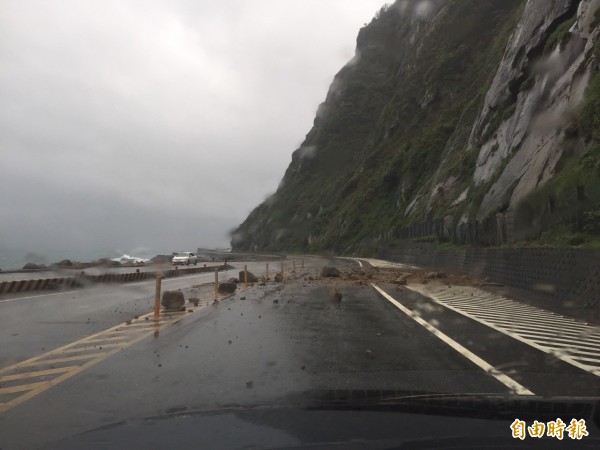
156 124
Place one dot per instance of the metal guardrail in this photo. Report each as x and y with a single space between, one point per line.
229 256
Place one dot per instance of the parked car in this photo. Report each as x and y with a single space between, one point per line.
184 258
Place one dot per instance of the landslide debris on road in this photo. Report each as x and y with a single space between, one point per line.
227 288
332 276
330 272
403 277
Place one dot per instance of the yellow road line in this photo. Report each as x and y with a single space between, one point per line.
37 373
22 387
17 401
59 360
106 339
145 324
129 334
90 348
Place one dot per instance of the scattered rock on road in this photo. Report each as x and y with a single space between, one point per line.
172 300
335 296
251 277
330 272
278 277
402 279
227 288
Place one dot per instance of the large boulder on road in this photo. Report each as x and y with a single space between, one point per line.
251 277
173 300
330 272
227 288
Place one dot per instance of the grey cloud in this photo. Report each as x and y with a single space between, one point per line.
156 124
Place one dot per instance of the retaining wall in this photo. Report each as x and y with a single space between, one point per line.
564 274
11 287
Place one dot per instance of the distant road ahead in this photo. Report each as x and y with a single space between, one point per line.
35 275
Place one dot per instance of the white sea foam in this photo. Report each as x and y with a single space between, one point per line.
130 259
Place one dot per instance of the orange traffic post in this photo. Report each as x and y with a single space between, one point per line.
245 276
216 282
157 297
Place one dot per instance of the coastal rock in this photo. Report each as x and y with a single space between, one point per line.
64 263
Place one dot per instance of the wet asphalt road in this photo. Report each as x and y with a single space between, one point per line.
34 322
270 348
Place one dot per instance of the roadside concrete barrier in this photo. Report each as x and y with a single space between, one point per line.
17 286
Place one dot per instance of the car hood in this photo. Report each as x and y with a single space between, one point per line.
351 419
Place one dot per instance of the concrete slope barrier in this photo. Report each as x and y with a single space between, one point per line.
12 287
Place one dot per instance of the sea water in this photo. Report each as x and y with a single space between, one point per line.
13 259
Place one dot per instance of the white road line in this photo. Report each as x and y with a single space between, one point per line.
359 263
540 330
509 316
532 315
541 343
500 376
568 342
576 352
34 296
167 280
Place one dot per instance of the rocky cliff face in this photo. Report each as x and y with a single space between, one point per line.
450 109
543 88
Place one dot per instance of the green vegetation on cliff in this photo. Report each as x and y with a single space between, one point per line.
390 144
407 100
